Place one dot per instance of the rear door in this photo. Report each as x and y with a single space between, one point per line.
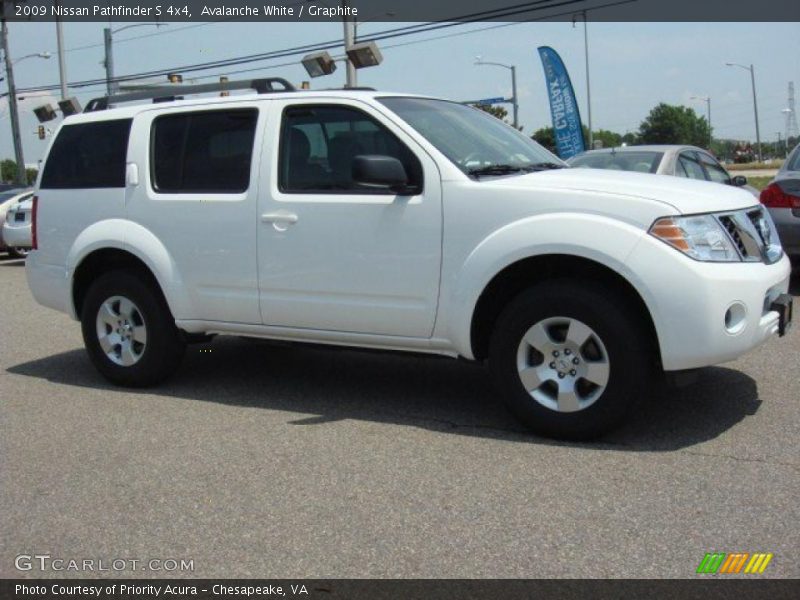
333 255
197 195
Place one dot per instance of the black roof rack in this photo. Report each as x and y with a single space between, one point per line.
168 93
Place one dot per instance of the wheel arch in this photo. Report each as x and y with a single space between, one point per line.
119 244
524 273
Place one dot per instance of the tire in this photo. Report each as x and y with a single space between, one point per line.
18 252
583 355
140 346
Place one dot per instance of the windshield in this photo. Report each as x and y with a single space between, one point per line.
476 142
639 161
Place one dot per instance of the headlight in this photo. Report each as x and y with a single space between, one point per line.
699 236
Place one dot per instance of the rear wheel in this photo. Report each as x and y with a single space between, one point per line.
129 332
570 359
19 252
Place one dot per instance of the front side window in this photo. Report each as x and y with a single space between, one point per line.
88 155
689 166
203 152
319 143
714 169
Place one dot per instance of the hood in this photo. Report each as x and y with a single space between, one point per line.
686 196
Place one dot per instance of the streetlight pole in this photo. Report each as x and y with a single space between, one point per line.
62 65
108 42
588 83
755 102
707 100
349 40
514 97
21 177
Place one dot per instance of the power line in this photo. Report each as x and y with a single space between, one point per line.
382 35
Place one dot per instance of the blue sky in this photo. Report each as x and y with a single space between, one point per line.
634 66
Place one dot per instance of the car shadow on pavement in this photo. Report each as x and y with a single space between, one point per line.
436 394
10 261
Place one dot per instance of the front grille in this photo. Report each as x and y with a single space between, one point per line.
751 231
733 232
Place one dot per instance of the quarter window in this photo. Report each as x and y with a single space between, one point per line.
319 143
689 166
203 152
88 155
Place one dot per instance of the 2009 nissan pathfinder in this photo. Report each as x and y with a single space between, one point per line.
390 221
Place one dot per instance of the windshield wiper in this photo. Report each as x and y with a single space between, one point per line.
495 170
543 166
499 169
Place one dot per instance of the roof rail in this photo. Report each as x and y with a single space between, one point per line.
170 92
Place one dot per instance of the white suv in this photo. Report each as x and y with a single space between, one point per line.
389 221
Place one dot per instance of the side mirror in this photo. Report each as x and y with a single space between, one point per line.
739 180
380 172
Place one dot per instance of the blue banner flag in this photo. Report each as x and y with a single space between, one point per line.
563 106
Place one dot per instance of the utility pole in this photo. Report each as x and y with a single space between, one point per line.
755 110
349 40
62 65
21 177
588 84
109 62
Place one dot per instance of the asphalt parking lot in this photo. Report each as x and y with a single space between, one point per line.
267 460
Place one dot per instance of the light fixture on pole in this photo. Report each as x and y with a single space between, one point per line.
364 55
514 99
44 55
319 64
755 102
108 41
707 100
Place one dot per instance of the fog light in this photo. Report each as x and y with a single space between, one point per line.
735 321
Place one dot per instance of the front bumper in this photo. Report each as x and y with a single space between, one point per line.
707 313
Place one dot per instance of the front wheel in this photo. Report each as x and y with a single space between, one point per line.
129 332
570 359
19 252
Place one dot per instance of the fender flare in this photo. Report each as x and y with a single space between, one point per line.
600 239
121 234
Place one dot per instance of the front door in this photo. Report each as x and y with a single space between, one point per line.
334 255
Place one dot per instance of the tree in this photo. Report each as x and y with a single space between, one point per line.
8 171
609 139
546 138
496 111
668 124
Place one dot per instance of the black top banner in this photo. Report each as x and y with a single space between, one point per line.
399 11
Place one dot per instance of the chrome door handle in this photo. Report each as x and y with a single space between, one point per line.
282 217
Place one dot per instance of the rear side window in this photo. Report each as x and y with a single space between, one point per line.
203 152
89 155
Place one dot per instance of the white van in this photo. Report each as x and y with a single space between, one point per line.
378 220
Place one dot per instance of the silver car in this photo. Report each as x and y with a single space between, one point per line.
681 161
17 228
782 198
9 200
